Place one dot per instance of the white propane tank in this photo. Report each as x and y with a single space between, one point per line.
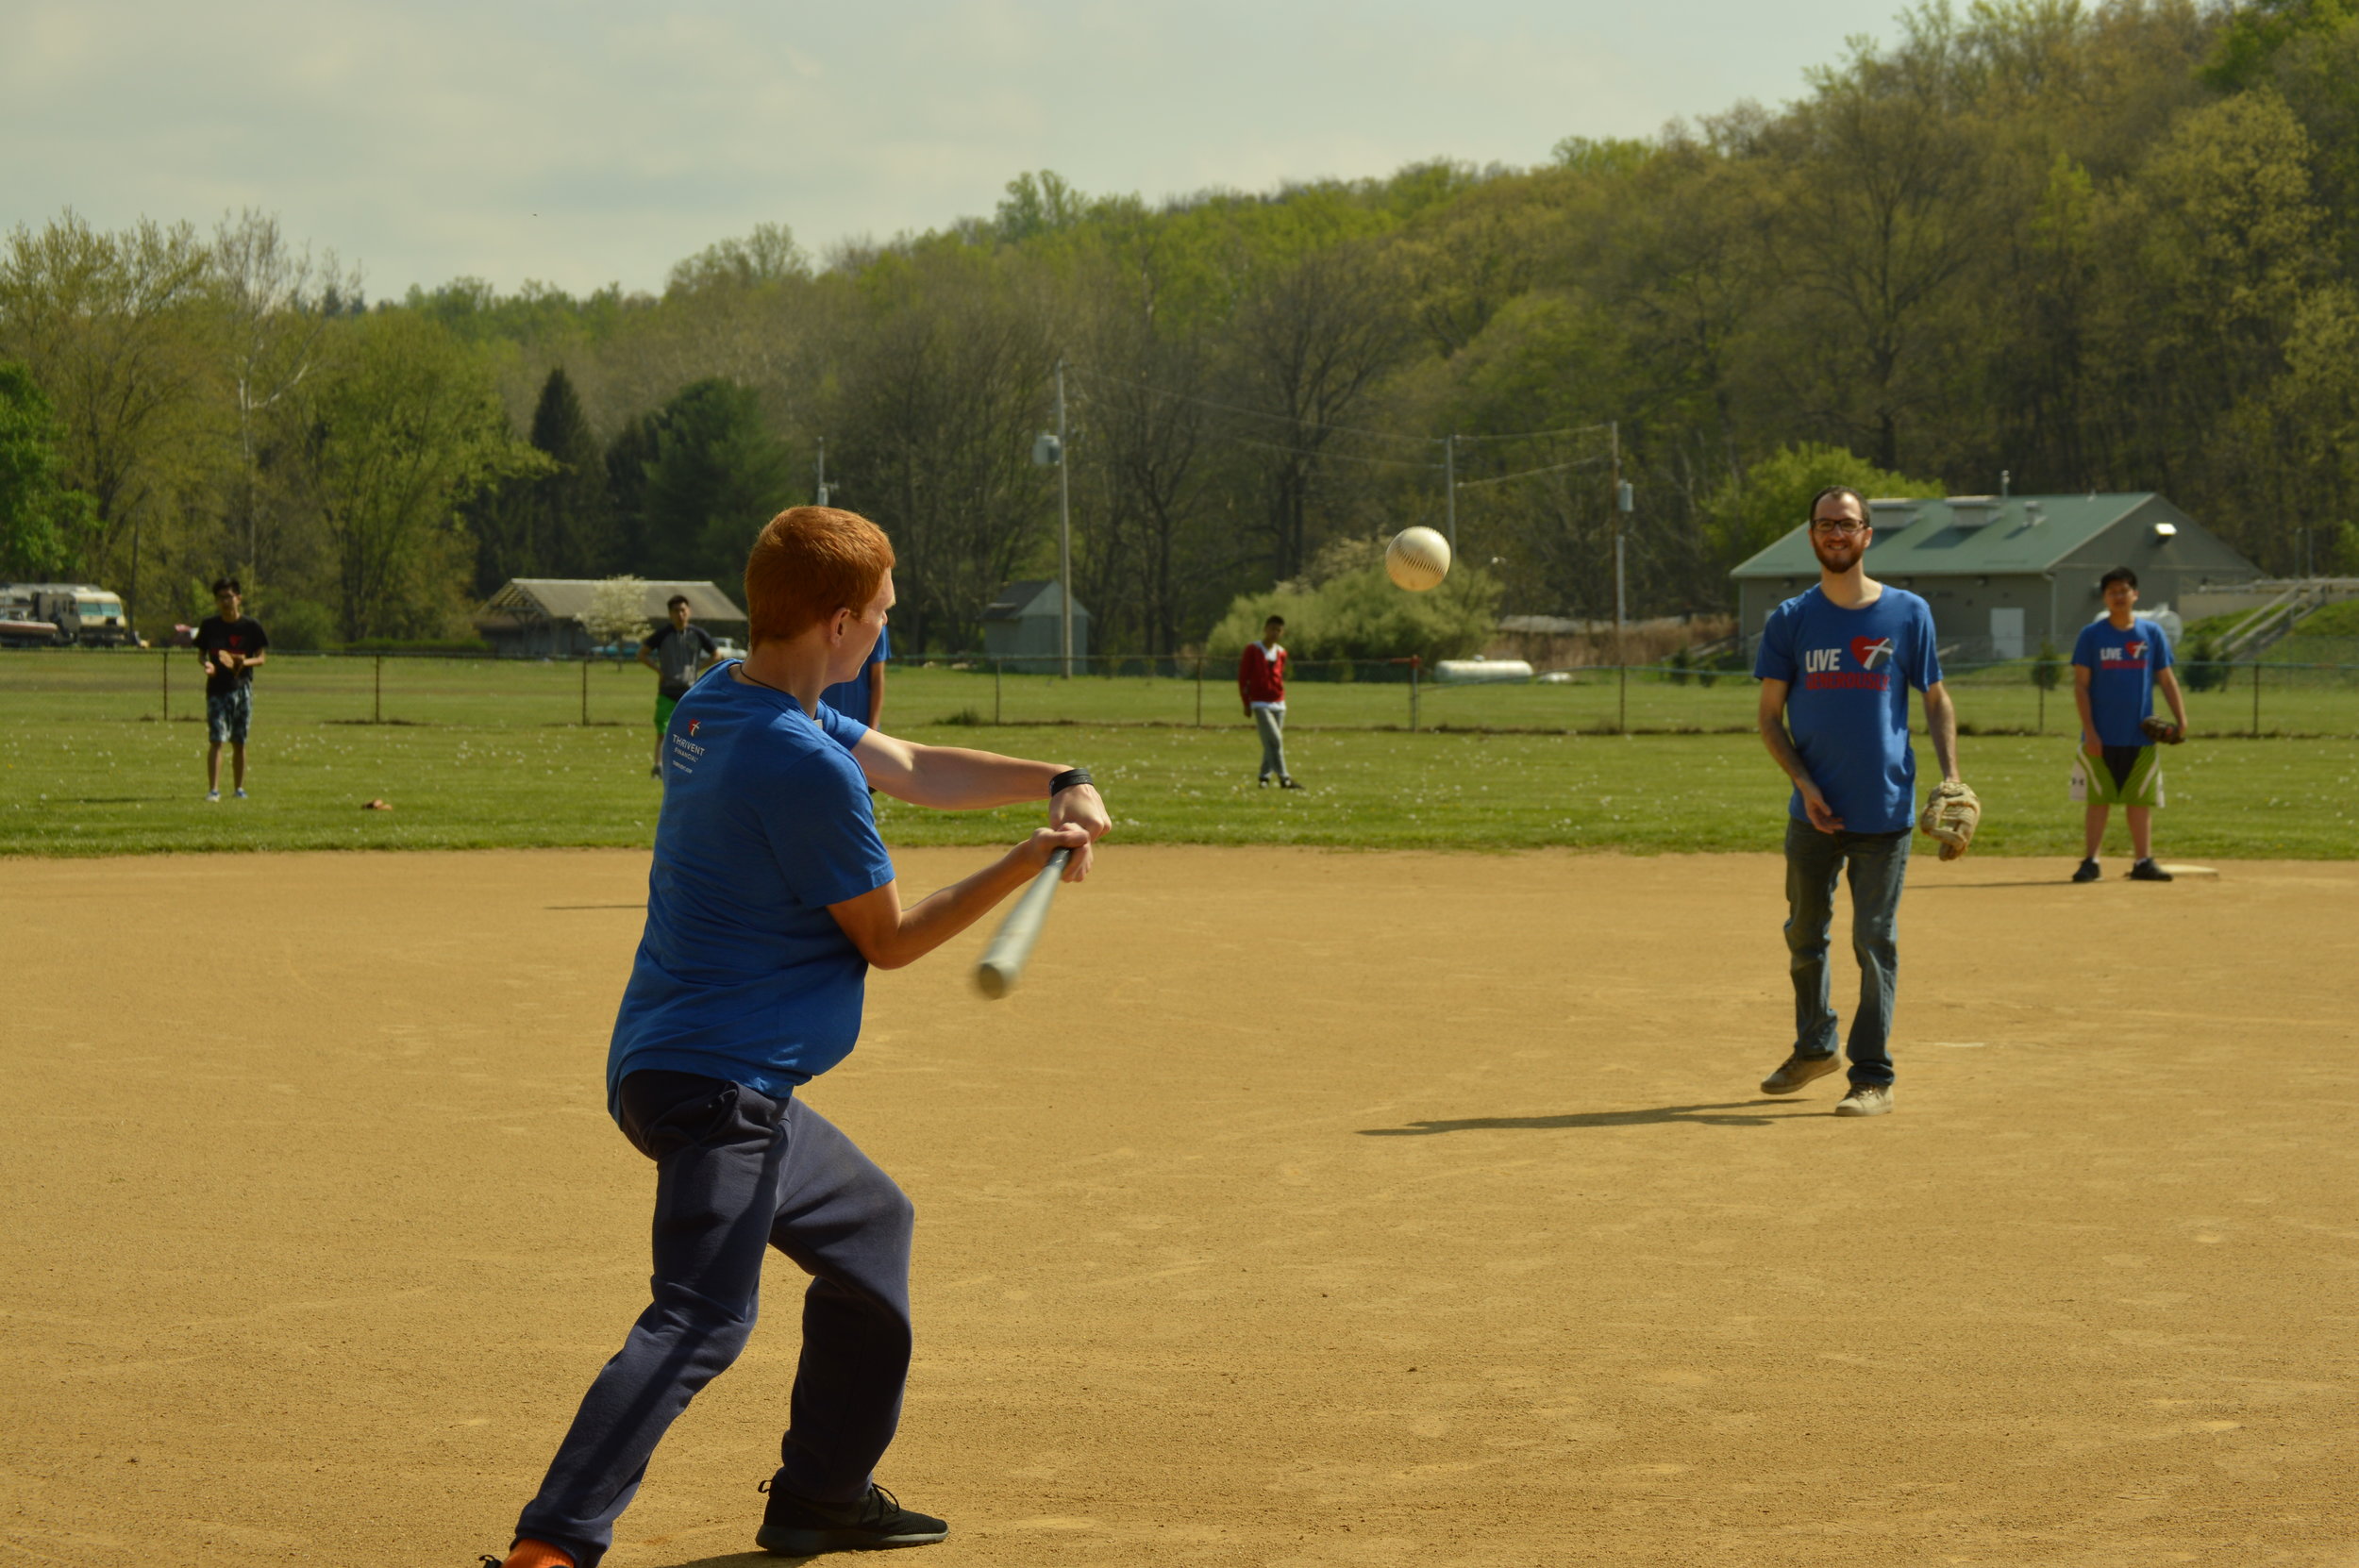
1465 671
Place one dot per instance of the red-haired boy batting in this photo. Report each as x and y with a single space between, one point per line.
769 899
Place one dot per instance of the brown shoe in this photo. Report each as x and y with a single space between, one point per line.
1798 1070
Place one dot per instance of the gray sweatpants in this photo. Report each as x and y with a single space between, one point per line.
1271 721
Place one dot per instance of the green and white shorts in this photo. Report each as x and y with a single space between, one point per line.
2124 775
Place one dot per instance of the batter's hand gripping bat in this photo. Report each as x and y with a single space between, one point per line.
1003 961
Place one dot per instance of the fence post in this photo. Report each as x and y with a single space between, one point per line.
377 710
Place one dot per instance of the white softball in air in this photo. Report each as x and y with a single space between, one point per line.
1416 559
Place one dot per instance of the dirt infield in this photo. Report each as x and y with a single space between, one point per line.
1300 1208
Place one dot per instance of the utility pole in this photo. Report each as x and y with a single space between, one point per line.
1621 595
823 471
1065 537
1621 508
1449 488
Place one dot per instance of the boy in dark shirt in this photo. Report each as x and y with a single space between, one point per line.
678 653
229 646
769 899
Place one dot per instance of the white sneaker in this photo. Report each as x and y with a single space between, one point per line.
213 797
239 793
1865 1100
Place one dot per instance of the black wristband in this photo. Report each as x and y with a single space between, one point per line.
1068 778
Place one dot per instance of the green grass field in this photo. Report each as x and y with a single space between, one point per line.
483 755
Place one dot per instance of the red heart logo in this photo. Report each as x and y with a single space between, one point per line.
1865 651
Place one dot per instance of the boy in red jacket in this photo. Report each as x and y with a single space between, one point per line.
1261 685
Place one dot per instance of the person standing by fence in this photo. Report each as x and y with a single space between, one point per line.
229 646
677 654
1262 687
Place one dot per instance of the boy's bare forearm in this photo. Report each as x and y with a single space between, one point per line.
945 913
952 778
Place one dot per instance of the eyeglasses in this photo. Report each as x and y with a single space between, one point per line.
1845 529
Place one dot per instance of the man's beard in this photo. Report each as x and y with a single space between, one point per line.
1838 555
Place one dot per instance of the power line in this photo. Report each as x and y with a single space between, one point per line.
1315 424
1527 473
1538 434
1331 456
1251 413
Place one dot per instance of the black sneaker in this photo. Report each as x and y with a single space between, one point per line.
1288 784
797 1527
2088 872
2147 870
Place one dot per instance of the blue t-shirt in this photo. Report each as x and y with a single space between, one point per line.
1848 674
742 973
850 697
2121 666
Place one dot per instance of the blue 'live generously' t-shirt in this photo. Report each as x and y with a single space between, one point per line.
850 697
1848 674
742 973
2121 666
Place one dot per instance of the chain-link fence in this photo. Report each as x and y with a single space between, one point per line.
2249 697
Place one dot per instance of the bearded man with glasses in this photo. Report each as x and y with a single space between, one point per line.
1835 666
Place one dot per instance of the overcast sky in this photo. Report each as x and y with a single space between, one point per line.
594 142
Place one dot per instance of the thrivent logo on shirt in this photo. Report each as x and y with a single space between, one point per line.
694 724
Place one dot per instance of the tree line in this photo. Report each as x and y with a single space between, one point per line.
2084 248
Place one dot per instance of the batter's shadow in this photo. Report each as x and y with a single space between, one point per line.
1725 1114
743 1560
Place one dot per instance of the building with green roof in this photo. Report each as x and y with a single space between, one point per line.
2004 574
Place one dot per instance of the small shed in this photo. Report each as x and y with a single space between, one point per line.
2004 574
540 617
1021 623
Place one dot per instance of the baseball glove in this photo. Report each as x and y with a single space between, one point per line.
2161 730
1951 813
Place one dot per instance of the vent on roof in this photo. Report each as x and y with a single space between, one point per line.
1973 512
1890 512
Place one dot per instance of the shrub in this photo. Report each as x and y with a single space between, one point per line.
298 624
2047 669
1346 607
2201 666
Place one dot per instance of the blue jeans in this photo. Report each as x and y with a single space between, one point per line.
738 1173
1878 863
